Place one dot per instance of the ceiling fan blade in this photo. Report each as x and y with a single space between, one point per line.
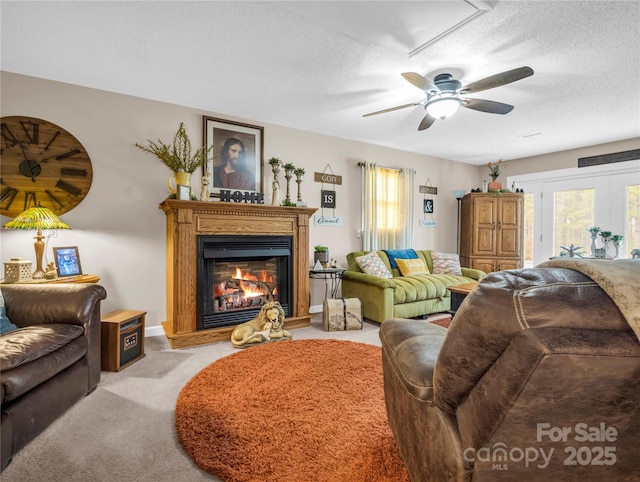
420 82
391 109
489 106
497 80
426 122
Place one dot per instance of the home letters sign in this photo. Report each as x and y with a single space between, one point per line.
249 197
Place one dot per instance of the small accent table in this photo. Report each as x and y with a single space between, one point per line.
459 293
331 276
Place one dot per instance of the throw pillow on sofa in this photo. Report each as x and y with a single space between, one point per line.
410 267
396 254
371 263
5 325
446 263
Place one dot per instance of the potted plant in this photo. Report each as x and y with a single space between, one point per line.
617 243
494 172
178 156
321 253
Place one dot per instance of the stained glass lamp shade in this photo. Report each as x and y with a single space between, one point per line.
37 218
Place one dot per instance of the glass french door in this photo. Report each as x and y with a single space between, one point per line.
571 206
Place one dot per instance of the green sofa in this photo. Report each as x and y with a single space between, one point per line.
402 296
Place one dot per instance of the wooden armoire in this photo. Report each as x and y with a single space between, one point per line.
491 233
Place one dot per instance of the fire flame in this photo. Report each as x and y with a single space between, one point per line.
249 277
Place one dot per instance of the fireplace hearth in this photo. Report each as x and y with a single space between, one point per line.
238 274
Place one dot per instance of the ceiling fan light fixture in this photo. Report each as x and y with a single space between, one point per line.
443 107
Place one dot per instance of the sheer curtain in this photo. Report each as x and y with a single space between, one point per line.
387 207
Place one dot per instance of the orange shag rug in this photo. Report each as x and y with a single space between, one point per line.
300 410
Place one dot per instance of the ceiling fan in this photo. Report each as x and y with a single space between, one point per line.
444 94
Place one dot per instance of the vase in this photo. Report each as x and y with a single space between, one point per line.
617 245
494 185
322 256
299 181
605 242
275 185
179 178
593 244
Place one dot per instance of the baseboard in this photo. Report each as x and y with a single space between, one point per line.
315 309
153 331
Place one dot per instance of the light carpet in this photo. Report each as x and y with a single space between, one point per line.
125 430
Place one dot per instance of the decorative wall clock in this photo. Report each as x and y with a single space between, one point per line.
41 164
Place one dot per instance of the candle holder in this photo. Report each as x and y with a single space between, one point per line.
288 174
299 177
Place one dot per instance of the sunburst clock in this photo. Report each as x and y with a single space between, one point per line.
42 165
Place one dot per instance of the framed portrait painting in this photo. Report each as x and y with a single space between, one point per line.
67 261
236 159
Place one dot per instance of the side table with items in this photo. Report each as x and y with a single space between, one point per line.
332 278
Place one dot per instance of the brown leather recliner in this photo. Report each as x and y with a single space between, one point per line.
537 378
51 361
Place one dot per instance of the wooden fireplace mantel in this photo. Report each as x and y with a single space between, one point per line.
188 219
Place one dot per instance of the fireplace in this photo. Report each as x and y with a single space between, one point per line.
190 221
236 275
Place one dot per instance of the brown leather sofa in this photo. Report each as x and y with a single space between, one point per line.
51 361
537 378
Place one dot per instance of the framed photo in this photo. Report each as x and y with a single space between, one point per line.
236 159
67 261
183 192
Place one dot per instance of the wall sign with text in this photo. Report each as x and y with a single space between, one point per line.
327 199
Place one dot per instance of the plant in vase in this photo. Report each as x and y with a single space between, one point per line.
321 253
593 230
275 164
494 172
617 243
178 156
606 238
288 174
299 172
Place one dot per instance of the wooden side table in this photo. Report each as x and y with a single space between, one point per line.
122 339
459 293
81 278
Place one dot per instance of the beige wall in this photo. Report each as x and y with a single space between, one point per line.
118 227
564 159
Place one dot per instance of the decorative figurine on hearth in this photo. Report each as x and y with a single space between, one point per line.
275 164
51 272
204 190
268 326
571 251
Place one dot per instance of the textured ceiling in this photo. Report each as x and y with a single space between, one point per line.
319 66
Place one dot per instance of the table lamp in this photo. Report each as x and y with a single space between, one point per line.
39 218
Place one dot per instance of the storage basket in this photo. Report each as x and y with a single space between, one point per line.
342 314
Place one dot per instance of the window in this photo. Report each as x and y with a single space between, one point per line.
573 214
387 207
632 233
561 205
